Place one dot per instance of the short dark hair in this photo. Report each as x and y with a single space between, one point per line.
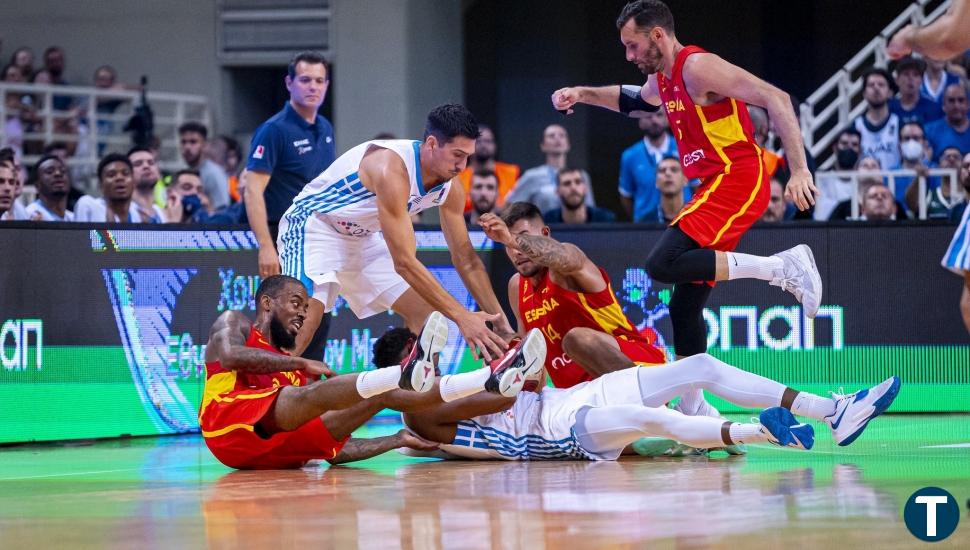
647 14
196 127
913 122
7 154
520 211
44 158
180 173
274 284
883 73
307 56
231 144
445 122
566 170
848 130
53 49
140 149
53 146
112 157
485 173
389 348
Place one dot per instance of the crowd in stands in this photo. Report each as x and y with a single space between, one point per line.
916 119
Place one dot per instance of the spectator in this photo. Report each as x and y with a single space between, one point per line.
879 128
776 204
936 80
8 157
571 188
956 213
484 159
147 177
843 211
940 201
62 151
910 106
277 168
105 78
192 137
225 151
638 168
23 59
671 182
833 190
759 120
878 203
915 152
53 186
117 186
483 193
185 198
538 185
53 73
954 128
8 191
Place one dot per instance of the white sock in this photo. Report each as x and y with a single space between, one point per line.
812 406
747 433
377 381
456 386
691 401
746 266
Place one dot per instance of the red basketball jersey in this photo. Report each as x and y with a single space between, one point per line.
555 310
712 138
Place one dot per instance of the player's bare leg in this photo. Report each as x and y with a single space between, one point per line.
413 308
595 351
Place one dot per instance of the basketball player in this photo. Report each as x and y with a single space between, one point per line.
349 233
705 100
261 408
945 38
597 420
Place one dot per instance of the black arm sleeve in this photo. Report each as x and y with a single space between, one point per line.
632 104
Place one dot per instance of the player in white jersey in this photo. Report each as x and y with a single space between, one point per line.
349 233
599 419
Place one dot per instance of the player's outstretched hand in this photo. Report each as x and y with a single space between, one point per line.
269 262
801 190
414 441
481 340
563 99
495 228
899 45
318 368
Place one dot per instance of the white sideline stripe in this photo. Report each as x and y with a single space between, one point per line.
109 471
953 446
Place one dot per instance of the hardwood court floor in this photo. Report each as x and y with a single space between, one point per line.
170 493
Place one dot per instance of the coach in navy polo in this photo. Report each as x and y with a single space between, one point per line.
288 150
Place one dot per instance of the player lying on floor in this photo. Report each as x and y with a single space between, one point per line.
597 420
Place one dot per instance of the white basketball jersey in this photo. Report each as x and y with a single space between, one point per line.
338 198
881 143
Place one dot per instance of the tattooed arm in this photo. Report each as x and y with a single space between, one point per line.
362 449
227 344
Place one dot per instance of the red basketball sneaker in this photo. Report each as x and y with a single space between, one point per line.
510 371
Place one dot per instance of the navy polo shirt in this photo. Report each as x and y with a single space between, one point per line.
293 152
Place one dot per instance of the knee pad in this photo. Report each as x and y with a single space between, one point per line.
658 266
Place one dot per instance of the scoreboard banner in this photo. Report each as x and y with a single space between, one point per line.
103 330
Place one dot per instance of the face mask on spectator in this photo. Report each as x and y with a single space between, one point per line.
911 149
847 158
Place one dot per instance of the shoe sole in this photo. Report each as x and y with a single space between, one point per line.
816 279
533 352
880 406
434 336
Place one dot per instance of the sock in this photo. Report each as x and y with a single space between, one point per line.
747 433
377 381
691 401
456 386
812 406
746 266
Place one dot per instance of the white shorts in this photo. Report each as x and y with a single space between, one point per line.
540 426
330 264
957 257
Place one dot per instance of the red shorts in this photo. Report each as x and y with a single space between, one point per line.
725 206
228 428
642 353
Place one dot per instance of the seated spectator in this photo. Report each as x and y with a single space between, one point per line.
833 190
117 186
638 168
916 152
956 213
939 201
145 171
192 141
186 200
23 59
954 128
878 127
843 211
106 78
484 159
8 191
671 182
483 194
571 188
21 114
538 185
776 204
62 151
53 186
17 211
909 105
878 204
935 81
225 151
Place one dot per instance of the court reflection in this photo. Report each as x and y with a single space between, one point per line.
535 505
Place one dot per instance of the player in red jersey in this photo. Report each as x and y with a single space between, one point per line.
559 291
704 97
262 408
